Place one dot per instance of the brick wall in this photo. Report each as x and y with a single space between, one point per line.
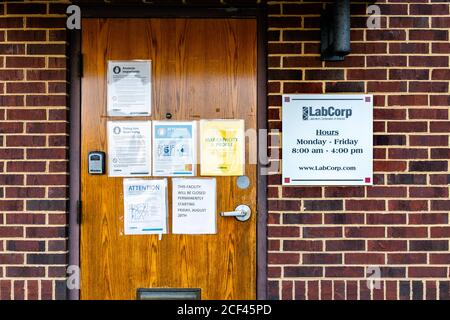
323 239
33 151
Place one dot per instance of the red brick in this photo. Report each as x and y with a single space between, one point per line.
302 245
441 153
386 61
428 114
385 218
387 245
26 166
340 192
408 100
11 232
48 153
429 9
407 205
283 258
25 218
428 218
407 258
302 192
284 205
389 114
11 153
440 258
428 61
26 114
11 258
46 100
411 126
386 192
427 272
364 205
25 87
322 232
47 179
25 272
407 232
344 272
389 166
364 232
364 258
408 47
283 232
23 192
428 140
26 35
428 192
26 8
303 272
46 232
321 258
48 127
440 126
440 232
25 62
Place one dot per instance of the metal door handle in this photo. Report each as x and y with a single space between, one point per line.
241 213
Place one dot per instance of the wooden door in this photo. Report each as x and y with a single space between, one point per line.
202 69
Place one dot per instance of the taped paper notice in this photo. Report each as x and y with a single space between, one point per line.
145 206
129 148
222 147
174 148
129 88
194 206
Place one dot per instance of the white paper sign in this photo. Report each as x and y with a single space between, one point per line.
129 88
129 148
194 206
174 148
327 139
145 206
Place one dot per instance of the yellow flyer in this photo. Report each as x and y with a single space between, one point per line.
222 147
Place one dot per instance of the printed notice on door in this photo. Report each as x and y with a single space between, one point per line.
222 147
327 140
129 148
129 88
145 206
174 148
194 206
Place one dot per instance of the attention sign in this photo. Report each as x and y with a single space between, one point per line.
327 139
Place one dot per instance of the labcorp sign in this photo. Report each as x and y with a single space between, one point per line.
327 139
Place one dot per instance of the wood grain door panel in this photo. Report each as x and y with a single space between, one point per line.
202 69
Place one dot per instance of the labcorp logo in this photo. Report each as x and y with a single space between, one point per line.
326 113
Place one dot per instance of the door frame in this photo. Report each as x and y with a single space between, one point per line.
259 12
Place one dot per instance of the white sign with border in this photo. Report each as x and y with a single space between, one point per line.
145 206
194 206
327 139
129 88
129 148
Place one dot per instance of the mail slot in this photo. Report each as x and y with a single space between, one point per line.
168 294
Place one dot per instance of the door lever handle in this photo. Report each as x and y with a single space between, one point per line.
241 213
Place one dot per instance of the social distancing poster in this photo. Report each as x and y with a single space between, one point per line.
129 88
129 148
174 148
222 147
